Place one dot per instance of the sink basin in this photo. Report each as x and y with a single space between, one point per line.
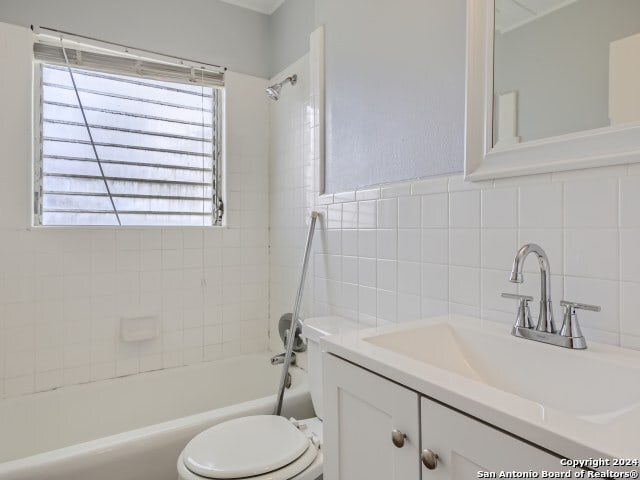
593 384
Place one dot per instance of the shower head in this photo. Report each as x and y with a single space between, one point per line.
273 92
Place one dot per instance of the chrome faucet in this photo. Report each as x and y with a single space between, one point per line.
570 335
545 317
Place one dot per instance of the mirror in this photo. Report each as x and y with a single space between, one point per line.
551 85
564 66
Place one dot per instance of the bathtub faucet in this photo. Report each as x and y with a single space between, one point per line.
279 359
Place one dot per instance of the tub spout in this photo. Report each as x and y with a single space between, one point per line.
279 359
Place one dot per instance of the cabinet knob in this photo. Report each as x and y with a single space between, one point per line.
397 437
429 459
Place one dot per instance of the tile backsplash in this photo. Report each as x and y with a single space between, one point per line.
441 245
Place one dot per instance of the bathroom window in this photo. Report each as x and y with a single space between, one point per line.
125 142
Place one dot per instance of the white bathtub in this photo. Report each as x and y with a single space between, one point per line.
134 428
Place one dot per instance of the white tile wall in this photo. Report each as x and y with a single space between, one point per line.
451 251
382 255
64 290
290 164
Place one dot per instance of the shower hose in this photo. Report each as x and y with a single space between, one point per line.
295 318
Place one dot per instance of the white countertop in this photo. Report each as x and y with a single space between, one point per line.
566 434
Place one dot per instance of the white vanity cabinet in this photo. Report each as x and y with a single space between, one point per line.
362 410
466 446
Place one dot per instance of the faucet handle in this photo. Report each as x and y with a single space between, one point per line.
523 319
515 296
570 326
579 306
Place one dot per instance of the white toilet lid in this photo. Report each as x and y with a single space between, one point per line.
245 447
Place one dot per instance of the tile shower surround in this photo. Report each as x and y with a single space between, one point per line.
63 290
290 158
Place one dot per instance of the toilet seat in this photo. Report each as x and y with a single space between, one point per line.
306 461
261 447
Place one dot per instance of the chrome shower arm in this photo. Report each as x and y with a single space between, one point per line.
273 92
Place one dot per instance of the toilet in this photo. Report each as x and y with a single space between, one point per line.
267 447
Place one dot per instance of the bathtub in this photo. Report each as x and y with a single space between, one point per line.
134 428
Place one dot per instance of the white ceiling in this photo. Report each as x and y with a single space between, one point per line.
512 14
262 6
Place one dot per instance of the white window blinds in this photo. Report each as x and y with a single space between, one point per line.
126 142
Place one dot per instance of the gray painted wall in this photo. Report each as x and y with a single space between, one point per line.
395 89
204 30
559 64
289 30
395 70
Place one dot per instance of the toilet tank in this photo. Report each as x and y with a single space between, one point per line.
313 329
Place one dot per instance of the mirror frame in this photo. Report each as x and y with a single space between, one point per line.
600 147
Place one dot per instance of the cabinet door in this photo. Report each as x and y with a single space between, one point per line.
361 410
466 447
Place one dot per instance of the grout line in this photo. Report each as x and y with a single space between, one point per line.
619 257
